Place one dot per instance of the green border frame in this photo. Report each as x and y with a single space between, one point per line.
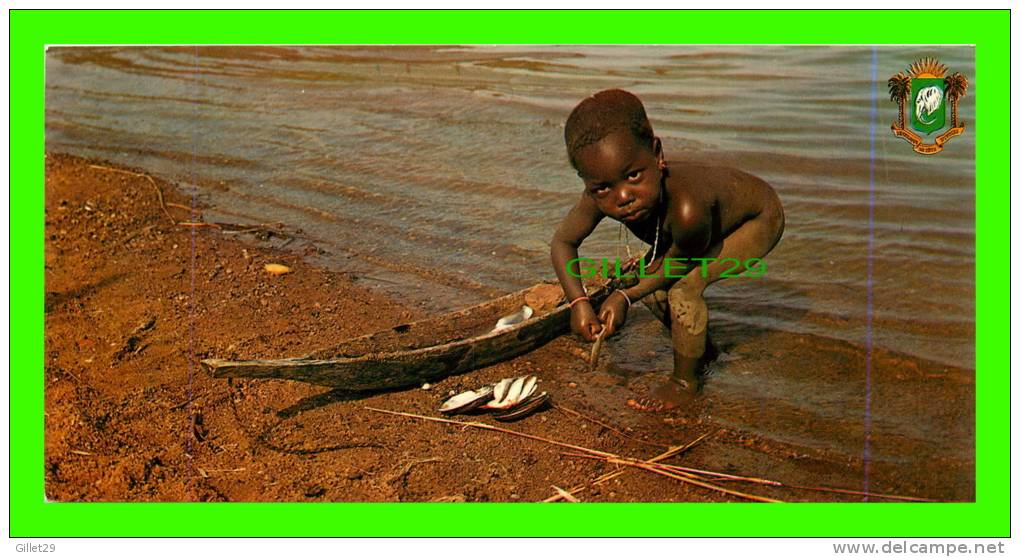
30 515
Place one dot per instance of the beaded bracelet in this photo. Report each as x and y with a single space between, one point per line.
578 300
625 297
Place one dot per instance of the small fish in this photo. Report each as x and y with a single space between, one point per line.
513 397
500 387
510 392
525 408
513 319
467 401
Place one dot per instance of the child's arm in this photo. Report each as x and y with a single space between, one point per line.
689 242
691 239
575 227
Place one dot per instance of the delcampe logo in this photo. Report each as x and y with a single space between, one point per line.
924 92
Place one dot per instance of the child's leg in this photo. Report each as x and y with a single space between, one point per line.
658 303
689 314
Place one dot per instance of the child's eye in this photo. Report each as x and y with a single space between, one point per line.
634 175
599 190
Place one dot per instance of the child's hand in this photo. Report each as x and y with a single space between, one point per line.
584 322
613 312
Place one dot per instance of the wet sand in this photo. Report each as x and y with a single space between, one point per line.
133 302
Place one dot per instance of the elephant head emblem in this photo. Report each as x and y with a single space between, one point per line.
928 101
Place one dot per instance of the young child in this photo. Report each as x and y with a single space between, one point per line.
681 210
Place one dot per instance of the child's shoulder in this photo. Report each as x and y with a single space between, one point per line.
708 184
703 174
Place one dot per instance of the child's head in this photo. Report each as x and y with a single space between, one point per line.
603 113
611 145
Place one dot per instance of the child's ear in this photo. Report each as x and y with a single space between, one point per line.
659 157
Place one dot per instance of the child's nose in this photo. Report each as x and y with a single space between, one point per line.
625 198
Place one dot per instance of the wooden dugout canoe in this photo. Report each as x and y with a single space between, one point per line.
411 354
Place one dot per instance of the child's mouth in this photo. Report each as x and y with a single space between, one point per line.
636 215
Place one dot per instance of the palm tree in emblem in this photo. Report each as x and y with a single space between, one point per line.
899 90
956 87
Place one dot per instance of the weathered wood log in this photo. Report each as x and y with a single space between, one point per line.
414 353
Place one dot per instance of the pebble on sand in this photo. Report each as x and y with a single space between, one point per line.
277 269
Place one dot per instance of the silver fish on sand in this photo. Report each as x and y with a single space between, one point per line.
510 392
467 401
526 407
512 398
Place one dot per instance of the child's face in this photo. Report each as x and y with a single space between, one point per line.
622 175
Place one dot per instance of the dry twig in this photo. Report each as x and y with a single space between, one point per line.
719 476
159 192
182 207
673 451
573 412
662 470
586 452
593 360
565 495
480 425
163 204
257 228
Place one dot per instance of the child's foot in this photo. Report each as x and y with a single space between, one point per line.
671 394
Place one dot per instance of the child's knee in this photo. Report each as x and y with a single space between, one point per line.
690 287
687 307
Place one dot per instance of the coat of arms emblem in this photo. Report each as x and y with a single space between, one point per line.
924 91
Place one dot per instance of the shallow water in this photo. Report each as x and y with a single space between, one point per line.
441 172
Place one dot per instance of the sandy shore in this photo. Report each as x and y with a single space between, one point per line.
134 301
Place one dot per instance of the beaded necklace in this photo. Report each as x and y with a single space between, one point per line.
658 226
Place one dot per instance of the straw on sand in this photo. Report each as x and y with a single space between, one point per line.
600 423
707 475
671 452
692 476
609 457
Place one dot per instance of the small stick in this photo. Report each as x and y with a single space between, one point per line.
159 193
179 206
863 493
370 277
605 425
593 360
480 425
683 477
255 228
138 233
565 495
673 451
691 480
774 483
589 453
199 225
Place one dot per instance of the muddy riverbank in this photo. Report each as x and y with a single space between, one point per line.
134 301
